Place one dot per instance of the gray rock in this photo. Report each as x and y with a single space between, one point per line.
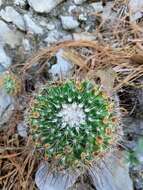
53 36
9 14
69 22
72 8
31 26
84 36
50 26
44 6
98 7
21 3
22 129
62 69
136 9
26 44
82 17
6 108
1 2
79 2
56 35
46 180
112 174
8 36
5 61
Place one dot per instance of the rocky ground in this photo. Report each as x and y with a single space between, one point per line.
27 26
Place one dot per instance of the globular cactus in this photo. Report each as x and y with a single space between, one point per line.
73 122
10 83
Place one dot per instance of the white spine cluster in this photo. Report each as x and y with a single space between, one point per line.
72 115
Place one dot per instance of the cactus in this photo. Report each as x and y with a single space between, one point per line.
73 122
10 83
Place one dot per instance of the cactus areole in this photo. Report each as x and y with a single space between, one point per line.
73 122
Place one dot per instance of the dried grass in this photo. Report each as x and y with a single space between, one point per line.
17 162
124 61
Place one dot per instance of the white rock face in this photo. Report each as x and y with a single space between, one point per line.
112 174
62 69
6 108
69 23
5 61
59 181
79 2
9 14
8 36
44 6
31 26
136 9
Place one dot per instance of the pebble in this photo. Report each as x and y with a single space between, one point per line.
26 45
21 3
84 36
79 2
22 129
69 22
9 14
62 69
8 36
5 60
50 26
31 26
98 7
136 9
56 35
6 108
44 6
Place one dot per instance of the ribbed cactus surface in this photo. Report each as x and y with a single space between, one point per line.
10 83
73 122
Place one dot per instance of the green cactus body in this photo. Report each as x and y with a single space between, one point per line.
10 83
74 122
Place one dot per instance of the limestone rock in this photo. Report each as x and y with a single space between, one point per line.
44 6
22 129
69 23
84 36
8 36
21 3
79 2
5 61
46 180
56 35
112 174
6 108
31 26
9 14
98 7
62 68
136 9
